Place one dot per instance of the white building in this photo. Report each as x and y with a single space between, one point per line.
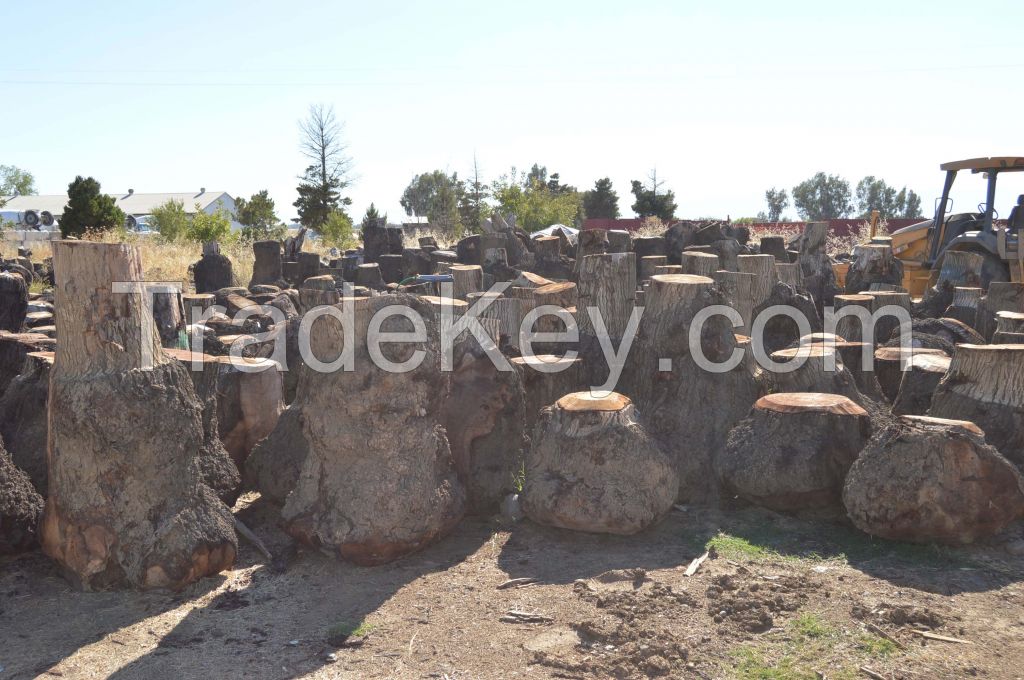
18 209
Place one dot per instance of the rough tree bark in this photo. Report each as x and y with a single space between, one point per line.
889 364
919 384
985 384
127 505
607 282
789 273
765 276
735 288
23 422
267 266
699 264
379 480
593 467
793 451
964 307
466 279
873 263
20 508
816 271
1002 296
929 480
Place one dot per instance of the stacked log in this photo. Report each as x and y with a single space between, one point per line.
133 528
919 384
622 482
378 480
793 451
930 480
985 384
765 276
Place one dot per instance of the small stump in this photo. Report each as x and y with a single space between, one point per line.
932 480
593 467
793 452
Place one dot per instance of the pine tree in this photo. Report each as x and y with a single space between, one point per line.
88 209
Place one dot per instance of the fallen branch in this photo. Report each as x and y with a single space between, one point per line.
940 638
247 533
516 583
872 674
695 564
524 617
882 634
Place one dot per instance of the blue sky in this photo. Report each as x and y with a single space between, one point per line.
725 99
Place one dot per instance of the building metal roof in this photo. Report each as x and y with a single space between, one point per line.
131 203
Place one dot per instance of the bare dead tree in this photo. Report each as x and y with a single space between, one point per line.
321 141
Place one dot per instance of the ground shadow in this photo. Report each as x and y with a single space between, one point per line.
272 624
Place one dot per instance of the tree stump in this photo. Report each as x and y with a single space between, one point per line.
648 264
873 263
813 373
985 384
930 480
276 461
619 241
919 384
964 307
392 267
889 364
727 251
23 422
267 265
886 326
607 282
649 245
699 264
670 269
14 348
466 279
213 270
1009 322
793 451
849 327
789 273
735 288
1002 296
369 275
774 246
782 330
126 504
378 481
621 481
545 379
13 302
816 271
20 508
765 276
960 268
250 400
308 265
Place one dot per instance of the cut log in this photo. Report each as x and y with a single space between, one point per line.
545 379
919 384
619 241
466 279
873 263
960 268
889 365
21 506
817 274
267 266
929 480
887 326
670 269
250 398
621 480
1009 322
14 348
789 273
765 276
793 451
1002 296
985 384
813 373
607 282
649 245
649 263
13 302
736 289
23 422
274 465
369 275
699 264
213 270
964 307
126 504
774 246
378 481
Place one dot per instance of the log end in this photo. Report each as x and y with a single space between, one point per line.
589 401
809 402
929 421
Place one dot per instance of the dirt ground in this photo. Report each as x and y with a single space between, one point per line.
777 598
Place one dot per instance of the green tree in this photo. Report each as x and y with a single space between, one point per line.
373 217
876 194
258 217
650 203
336 232
778 201
321 184
205 227
435 195
87 209
535 202
14 180
473 207
823 197
601 201
170 220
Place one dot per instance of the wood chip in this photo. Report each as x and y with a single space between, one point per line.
940 638
695 564
516 583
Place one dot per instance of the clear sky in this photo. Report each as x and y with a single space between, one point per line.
726 99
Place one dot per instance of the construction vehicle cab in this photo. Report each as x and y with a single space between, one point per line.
922 246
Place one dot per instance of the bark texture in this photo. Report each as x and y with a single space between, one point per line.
873 263
607 282
23 422
21 506
593 467
929 480
127 505
918 385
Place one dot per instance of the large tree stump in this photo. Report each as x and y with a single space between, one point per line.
607 282
23 421
13 302
818 368
699 264
985 384
213 270
793 451
1009 322
545 379
928 480
648 264
250 400
20 508
789 274
889 365
873 263
816 271
379 480
14 347
850 327
735 288
1002 296
782 330
593 467
919 384
369 275
267 266
276 461
466 279
689 410
765 276
964 307
887 326
774 246
127 505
